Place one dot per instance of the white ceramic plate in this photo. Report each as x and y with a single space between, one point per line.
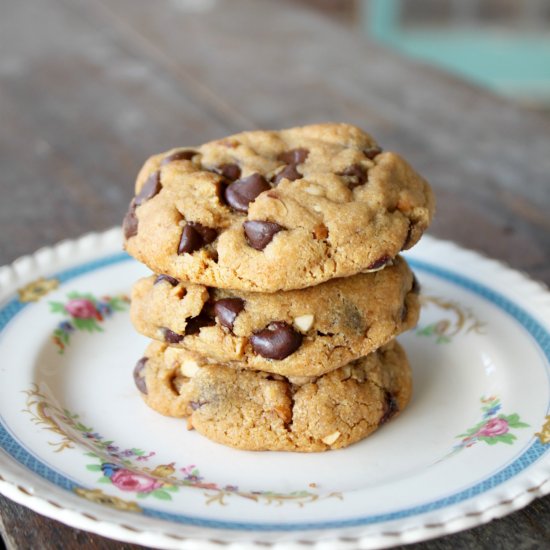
78 444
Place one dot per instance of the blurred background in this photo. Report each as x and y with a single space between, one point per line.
502 45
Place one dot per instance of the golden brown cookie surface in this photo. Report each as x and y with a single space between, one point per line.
303 332
267 211
257 411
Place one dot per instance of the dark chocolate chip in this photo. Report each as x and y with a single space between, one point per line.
289 172
130 223
242 192
259 234
391 408
230 172
372 152
416 287
276 341
186 154
356 174
139 375
190 240
194 236
226 311
150 188
382 261
194 324
208 234
167 278
294 156
171 337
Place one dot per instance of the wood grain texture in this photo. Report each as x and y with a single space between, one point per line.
89 89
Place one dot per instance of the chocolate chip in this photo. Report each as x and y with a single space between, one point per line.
242 192
171 337
230 172
372 152
139 375
186 154
382 261
294 156
194 324
391 408
150 188
356 174
416 287
259 234
276 341
289 172
194 236
226 311
130 223
167 278
195 405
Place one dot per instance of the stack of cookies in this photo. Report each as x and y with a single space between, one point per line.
277 289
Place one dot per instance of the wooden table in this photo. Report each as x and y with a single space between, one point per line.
89 89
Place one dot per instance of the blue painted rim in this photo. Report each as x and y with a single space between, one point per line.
528 457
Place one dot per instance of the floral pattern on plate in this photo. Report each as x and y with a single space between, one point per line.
124 469
494 427
84 312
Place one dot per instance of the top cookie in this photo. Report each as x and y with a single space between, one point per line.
267 211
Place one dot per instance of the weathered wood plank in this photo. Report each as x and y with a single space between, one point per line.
80 113
26 530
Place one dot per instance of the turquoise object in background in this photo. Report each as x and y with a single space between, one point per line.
512 62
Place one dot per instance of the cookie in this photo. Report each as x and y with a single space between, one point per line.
294 333
266 211
258 411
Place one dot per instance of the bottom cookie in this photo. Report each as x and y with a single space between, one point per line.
257 411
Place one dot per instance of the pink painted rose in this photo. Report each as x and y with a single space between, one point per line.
131 481
495 426
81 308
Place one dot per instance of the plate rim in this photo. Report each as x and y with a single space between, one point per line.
75 252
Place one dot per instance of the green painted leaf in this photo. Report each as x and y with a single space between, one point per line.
93 467
142 495
489 440
57 307
93 455
161 495
104 479
506 438
171 488
89 325
520 425
80 427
